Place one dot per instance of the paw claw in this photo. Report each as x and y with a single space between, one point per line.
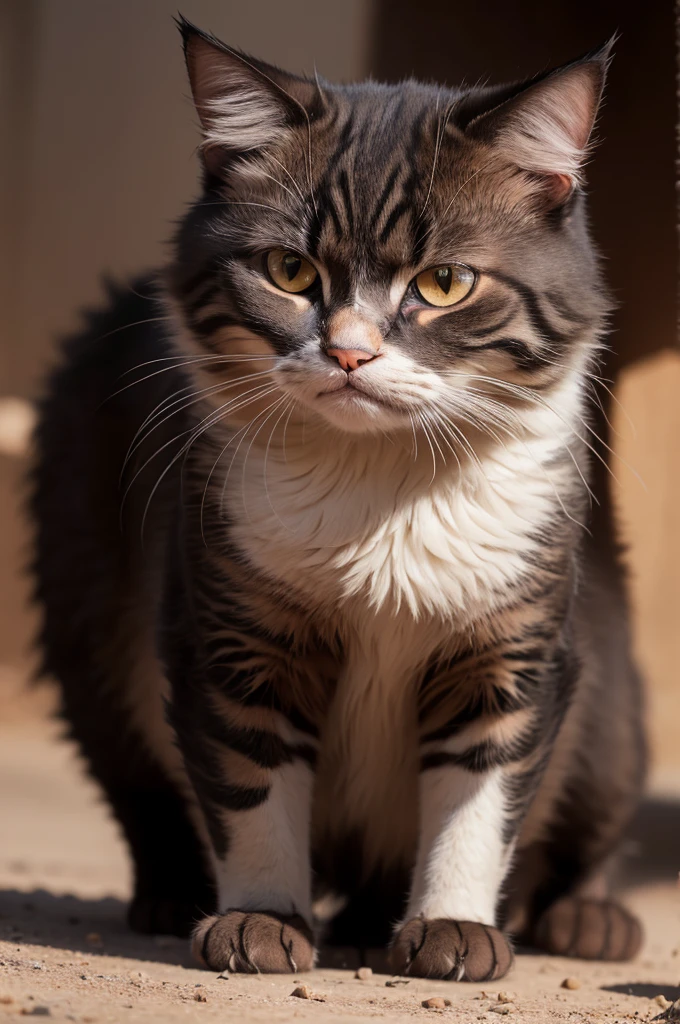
451 950
254 943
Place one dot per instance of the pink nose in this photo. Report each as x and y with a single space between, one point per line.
351 358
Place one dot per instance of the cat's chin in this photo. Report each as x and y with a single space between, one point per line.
357 412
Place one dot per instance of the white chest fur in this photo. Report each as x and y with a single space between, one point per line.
368 525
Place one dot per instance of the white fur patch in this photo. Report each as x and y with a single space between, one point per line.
267 864
462 859
359 526
243 119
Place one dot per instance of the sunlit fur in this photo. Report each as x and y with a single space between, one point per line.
394 663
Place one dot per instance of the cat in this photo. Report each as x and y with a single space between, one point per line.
312 544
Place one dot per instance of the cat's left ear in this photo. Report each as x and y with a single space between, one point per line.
545 127
243 104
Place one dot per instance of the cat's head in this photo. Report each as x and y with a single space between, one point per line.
388 256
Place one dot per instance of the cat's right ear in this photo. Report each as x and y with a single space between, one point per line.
543 126
243 104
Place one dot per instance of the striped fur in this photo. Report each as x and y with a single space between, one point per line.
367 601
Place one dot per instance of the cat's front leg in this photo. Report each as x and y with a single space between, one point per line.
263 865
478 771
463 856
253 772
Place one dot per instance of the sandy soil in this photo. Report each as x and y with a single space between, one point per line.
65 951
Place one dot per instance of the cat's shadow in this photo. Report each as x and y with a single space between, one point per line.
89 929
645 990
85 929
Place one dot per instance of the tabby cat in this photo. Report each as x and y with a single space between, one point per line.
313 551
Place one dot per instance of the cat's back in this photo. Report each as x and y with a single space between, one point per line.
87 493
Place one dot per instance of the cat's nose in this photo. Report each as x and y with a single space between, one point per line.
352 339
350 358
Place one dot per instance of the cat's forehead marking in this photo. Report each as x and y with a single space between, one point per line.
361 303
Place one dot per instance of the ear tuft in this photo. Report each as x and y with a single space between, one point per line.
546 126
243 104
237 107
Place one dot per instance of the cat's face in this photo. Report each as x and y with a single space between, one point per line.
404 254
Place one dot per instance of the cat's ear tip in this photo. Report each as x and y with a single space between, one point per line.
188 31
605 51
602 54
191 32
185 27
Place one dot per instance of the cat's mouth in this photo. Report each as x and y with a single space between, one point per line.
351 393
354 408
356 402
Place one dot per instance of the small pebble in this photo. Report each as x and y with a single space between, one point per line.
224 976
503 1008
138 977
506 997
661 1001
200 997
37 1011
393 982
6 1000
435 1003
364 973
304 992
571 983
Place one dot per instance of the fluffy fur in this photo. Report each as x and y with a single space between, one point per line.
395 673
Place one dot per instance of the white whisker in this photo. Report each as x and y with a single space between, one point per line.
423 425
184 402
528 395
286 409
250 448
205 424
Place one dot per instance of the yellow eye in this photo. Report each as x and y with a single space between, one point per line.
290 272
445 286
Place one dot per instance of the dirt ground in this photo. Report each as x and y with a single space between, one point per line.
65 952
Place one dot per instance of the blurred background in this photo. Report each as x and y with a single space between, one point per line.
98 140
